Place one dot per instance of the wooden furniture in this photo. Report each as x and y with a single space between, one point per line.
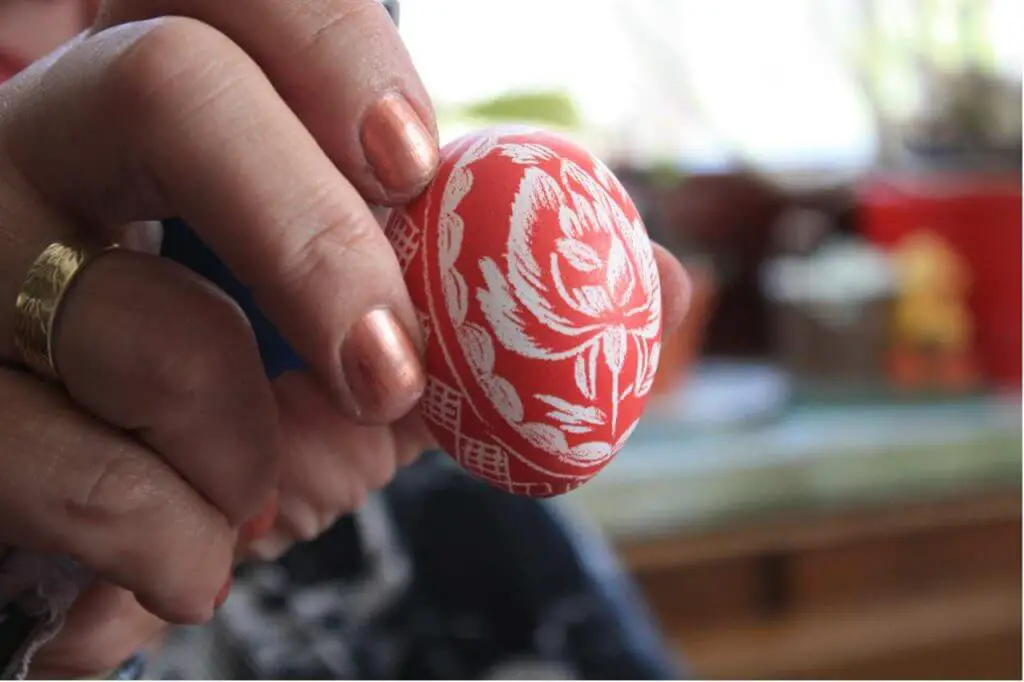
925 590
835 541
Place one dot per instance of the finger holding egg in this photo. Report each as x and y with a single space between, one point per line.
542 303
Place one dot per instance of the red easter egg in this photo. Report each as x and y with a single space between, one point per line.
539 297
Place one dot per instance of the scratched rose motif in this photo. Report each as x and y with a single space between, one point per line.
542 299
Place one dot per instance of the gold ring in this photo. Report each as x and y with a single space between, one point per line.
42 291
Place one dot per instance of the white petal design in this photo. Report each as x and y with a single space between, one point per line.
456 296
449 239
619 273
592 300
574 176
504 396
640 246
651 328
526 154
504 314
585 374
589 220
545 437
458 186
606 306
595 349
574 414
581 256
536 190
592 452
478 149
615 349
646 382
606 177
642 357
624 393
569 222
476 343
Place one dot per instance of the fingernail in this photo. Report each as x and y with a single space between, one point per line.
259 526
271 547
222 596
382 368
398 146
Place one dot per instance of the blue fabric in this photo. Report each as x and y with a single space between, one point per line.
182 245
132 669
531 582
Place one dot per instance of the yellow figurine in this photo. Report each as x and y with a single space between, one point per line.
933 328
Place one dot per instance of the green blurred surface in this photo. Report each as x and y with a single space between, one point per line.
544 108
814 457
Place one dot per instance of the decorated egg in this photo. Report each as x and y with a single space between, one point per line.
539 298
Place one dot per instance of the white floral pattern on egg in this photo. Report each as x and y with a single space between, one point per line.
537 290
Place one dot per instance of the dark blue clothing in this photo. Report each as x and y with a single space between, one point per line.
486 579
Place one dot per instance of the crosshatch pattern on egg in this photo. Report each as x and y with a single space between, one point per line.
538 293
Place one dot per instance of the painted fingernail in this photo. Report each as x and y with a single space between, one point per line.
381 366
259 526
222 596
398 146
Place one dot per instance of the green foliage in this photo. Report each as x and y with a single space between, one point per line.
552 108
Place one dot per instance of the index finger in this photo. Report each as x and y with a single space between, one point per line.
170 117
344 70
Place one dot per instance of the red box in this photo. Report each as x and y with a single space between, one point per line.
980 216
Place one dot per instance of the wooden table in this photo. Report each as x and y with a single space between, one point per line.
924 590
857 542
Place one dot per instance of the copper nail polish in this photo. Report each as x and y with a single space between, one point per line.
397 145
382 367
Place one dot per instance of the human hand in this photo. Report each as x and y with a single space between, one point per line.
264 128
173 437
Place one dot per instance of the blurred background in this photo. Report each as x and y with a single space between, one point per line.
828 483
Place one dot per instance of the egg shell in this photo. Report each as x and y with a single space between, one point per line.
539 298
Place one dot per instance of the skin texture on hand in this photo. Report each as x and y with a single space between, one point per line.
169 451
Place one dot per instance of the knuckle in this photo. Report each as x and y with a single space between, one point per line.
345 235
336 22
122 486
206 377
187 546
170 66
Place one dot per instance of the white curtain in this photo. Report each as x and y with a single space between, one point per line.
690 82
